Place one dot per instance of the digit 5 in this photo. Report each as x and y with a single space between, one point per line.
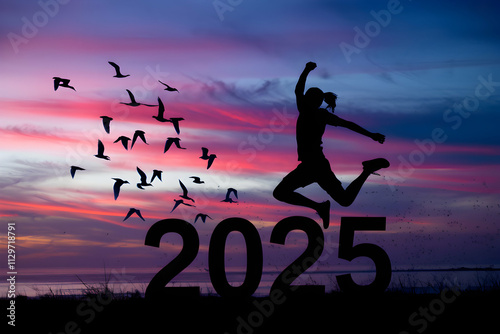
383 273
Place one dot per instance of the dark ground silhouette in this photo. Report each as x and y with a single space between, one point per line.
472 312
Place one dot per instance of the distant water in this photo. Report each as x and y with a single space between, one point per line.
416 281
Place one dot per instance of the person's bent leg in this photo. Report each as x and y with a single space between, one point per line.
369 167
332 185
346 197
352 191
285 192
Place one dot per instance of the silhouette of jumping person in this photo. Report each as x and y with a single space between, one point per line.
313 166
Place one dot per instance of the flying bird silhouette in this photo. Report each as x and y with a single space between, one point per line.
124 140
105 122
228 195
73 170
178 202
168 88
143 183
205 156
202 216
156 173
100 151
196 179
140 134
185 192
117 185
60 82
161 112
117 70
169 143
132 211
134 103
175 122
161 117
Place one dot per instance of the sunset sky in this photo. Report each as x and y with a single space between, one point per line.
424 73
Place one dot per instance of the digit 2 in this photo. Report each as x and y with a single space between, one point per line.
190 247
316 243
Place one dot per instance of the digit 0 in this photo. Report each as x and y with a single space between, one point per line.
216 265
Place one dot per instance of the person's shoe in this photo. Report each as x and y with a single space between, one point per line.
324 213
375 164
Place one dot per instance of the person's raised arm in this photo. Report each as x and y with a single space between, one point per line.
356 128
301 83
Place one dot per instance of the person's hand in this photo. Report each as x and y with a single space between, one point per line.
310 66
378 137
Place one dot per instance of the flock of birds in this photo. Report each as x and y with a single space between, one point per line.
139 134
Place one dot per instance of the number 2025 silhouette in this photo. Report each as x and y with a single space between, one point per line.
347 250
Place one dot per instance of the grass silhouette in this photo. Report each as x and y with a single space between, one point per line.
128 312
